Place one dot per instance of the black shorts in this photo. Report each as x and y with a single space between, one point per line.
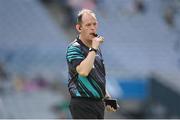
83 108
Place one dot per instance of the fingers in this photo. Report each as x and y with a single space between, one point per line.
101 39
97 41
110 109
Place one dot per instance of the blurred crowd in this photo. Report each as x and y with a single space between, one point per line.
71 7
19 83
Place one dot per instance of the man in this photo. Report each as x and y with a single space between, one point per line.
86 70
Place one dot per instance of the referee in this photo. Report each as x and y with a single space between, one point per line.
86 70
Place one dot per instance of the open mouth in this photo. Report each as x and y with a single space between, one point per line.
94 34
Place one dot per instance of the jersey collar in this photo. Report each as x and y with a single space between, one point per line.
80 42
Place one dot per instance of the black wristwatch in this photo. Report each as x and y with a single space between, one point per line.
92 49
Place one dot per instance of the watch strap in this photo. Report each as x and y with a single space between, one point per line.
92 49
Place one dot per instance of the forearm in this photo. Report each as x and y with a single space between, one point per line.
87 64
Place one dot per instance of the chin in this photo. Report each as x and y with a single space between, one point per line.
91 37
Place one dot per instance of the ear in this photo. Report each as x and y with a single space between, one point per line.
78 27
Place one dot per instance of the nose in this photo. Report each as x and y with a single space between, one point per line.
93 27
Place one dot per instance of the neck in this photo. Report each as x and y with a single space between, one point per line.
87 42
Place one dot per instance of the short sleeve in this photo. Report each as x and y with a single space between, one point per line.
74 55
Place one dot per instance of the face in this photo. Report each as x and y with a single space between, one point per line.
88 26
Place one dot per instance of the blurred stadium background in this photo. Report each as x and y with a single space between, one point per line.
141 53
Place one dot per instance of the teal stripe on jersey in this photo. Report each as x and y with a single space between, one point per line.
74 57
88 85
73 48
97 86
83 89
74 52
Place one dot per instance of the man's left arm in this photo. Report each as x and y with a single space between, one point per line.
108 107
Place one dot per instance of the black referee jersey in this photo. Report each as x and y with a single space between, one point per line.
92 86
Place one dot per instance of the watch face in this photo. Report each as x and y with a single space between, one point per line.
92 49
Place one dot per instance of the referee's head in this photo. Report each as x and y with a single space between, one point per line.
82 12
86 23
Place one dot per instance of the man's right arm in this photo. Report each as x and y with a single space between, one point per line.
84 68
86 65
